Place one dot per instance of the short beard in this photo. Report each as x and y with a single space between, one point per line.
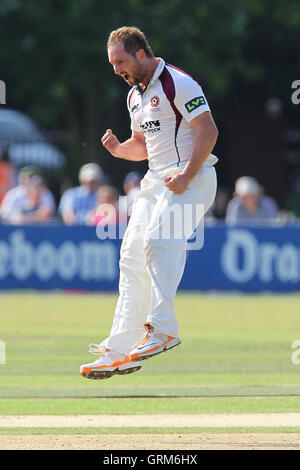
140 75
137 80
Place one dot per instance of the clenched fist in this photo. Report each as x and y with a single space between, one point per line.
177 183
110 142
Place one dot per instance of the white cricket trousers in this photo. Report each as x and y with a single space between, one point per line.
153 255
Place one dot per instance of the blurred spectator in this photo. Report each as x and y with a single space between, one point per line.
8 177
249 204
36 208
106 209
77 202
28 202
131 186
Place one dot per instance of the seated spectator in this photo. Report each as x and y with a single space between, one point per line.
106 209
77 202
249 205
36 208
31 195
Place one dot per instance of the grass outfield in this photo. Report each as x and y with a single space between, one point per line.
235 357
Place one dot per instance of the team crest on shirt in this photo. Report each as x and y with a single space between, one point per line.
154 101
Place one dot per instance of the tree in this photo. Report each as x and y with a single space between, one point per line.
54 61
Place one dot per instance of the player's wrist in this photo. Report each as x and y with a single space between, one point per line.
116 151
188 175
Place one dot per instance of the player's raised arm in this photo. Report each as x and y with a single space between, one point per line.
133 149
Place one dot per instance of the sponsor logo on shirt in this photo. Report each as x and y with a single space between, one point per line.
195 103
150 127
135 107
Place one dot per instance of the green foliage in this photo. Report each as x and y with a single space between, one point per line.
53 56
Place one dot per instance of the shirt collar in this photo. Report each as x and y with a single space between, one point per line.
158 70
155 76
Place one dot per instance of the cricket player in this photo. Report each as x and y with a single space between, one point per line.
173 128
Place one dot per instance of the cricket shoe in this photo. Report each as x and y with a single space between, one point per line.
109 364
152 344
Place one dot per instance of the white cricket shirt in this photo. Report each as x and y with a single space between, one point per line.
163 112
